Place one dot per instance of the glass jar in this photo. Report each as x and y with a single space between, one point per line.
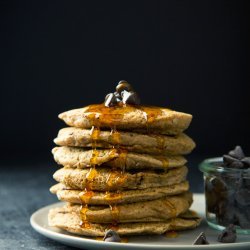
227 193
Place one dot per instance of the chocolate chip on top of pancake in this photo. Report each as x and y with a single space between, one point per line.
123 168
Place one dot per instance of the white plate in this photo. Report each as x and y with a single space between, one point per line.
184 240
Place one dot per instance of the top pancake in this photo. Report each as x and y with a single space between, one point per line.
132 118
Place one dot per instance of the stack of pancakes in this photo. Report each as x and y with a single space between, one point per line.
123 169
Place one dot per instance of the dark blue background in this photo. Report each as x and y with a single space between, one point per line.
192 56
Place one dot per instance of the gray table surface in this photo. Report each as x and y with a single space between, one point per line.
24 188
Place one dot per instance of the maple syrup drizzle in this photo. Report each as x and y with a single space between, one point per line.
160 142
92 173
93 117
100 115
83 214
151 113
171 234
115 137
112 197
164 161
121 159
94 135
113 152
94 157
109 117
115 178
86 196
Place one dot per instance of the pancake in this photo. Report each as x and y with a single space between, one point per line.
103 179
107 198
133 142
132 118
155 210
81 158
70 222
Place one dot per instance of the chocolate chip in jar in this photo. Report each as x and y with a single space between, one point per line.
246 162
242 197
241 219
237 153
213 189
225 214
228 235
236 159
227 189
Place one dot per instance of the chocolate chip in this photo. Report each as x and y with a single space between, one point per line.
237 153
118 97
216 192
239 183
232 179
246 179
242 219
225 214
246 161
242 197
227 159
111 236
237 164
110 100
123 85
130 98
232 162
201 240
228 235
218 184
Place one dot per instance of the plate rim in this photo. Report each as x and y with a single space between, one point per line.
91 242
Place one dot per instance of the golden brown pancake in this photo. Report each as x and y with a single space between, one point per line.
123 197
133 142
81 158
71 222
145 211
131 118
103 179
